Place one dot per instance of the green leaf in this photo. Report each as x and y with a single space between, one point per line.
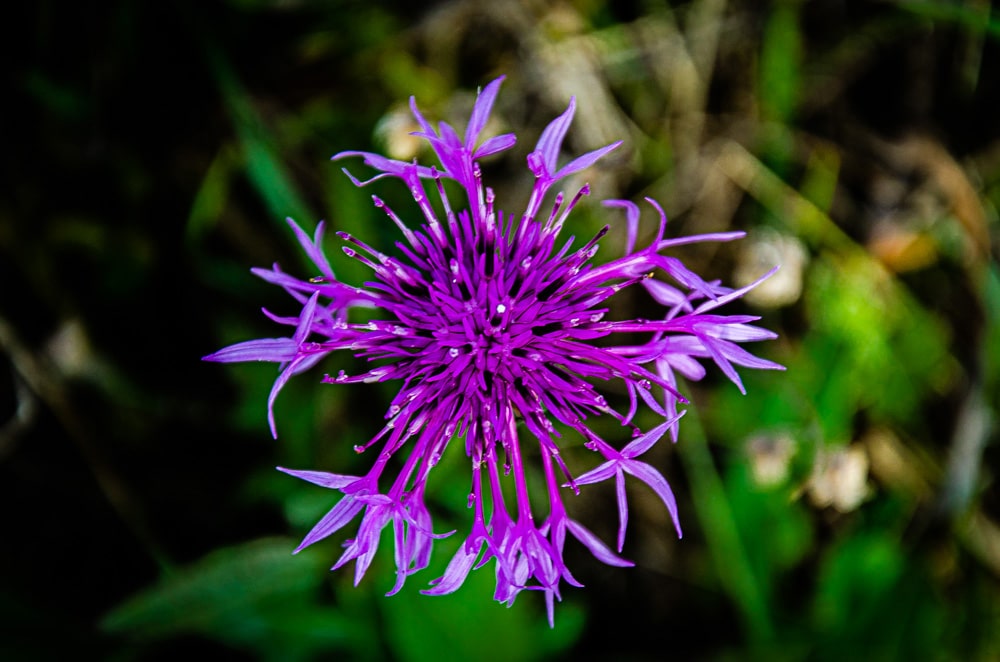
256 595
780 62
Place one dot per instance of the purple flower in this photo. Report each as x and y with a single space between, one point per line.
489 327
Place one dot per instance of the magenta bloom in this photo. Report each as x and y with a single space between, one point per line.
489 327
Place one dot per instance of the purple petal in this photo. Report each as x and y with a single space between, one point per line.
456 572
481 112
652 477
313 247
646 441
664 294
744 333
597 474
552 137
740 356
306 319
699 238
735 294
600 551
345 510
367 541
585 161
631 220
417 115
686 365
279 383
715 351
401 555
386 165
622 508
449 141
276 350
321 478
495 145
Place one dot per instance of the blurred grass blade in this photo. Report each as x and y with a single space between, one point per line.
213 194
953 12
264 166
781 53
721 530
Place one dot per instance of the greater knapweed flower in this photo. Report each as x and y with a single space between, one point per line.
489 326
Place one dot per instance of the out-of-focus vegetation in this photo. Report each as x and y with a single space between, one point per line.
848 507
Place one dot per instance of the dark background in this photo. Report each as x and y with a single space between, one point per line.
151 151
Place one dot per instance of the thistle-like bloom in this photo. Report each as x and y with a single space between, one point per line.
489 326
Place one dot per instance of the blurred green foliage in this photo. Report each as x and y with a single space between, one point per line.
847 508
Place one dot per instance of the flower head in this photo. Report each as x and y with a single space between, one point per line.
488 324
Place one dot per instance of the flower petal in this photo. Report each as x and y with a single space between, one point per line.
652 477
600 551
552 137
321 478
277 350
481 112
585 161
333 521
